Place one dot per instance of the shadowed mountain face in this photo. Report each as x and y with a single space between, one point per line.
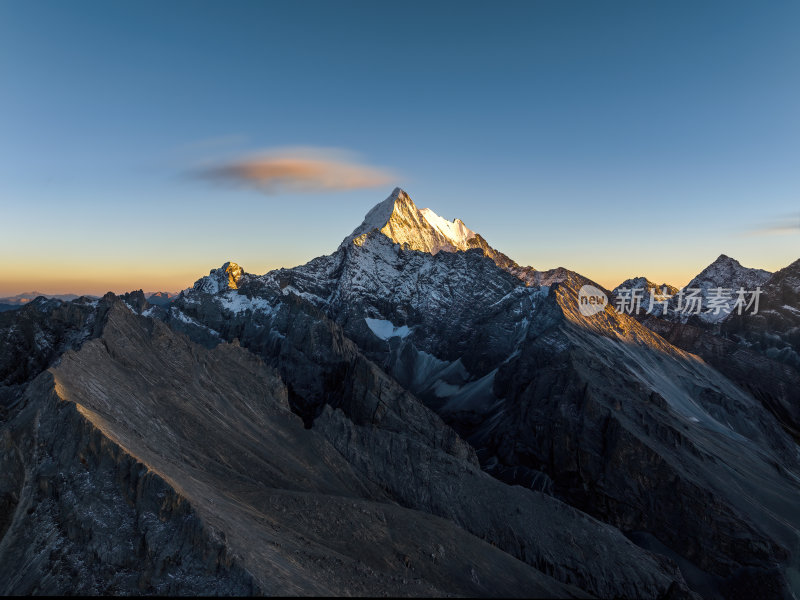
160 298
160 466
775 331
597 411
414 414
760 349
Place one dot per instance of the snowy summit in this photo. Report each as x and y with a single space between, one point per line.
399 219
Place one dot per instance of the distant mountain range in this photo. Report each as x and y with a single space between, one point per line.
160 298
412 414
14 302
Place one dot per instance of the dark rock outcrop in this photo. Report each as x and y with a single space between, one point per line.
143 463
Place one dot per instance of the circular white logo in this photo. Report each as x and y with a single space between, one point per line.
591 300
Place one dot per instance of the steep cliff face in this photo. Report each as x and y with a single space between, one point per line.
83 516
725 276
32 337
398 219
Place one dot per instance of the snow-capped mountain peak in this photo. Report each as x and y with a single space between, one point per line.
228 276
379 215
644 284
399 219
717 286
729 273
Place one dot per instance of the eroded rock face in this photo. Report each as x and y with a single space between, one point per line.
645 438
539 530
143 463
32 337
758 350
86 517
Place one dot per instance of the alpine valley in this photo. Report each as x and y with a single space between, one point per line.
415 414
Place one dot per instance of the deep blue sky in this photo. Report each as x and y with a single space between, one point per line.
614 138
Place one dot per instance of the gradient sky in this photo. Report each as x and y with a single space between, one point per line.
613 138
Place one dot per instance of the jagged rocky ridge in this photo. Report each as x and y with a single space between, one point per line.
147 464
599 412
144 463
693 477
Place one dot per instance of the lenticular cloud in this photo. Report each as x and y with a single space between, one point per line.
300 170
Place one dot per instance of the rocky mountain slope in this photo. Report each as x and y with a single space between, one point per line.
775 330
549 399
165 467
758 349
413 414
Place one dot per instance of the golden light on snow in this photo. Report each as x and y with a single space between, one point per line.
235 273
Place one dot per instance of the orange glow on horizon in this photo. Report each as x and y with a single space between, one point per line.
98 278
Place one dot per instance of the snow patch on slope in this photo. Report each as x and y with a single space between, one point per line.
386 329
239 303
181 316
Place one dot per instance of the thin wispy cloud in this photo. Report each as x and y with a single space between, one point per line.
785 225
300 170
